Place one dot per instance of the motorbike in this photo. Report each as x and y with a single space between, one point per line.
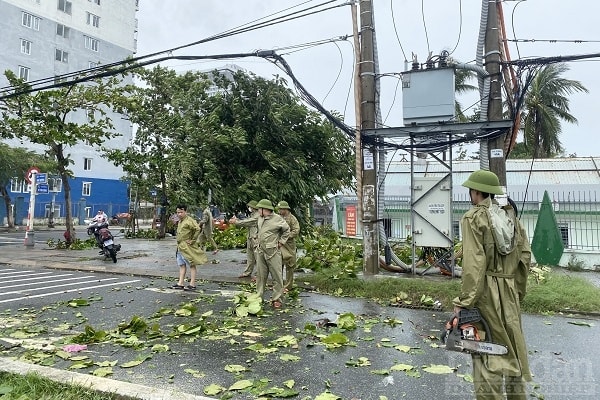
104 239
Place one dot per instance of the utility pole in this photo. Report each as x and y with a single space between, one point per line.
494 111
369 150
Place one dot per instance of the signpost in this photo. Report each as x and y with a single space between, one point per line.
32 178
42 188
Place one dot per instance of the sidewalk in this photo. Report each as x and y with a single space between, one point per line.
143 257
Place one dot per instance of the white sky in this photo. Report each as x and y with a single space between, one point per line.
164 24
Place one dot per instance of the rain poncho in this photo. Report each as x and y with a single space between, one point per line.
188 230
496 258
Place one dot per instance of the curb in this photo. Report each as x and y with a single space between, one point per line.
123 390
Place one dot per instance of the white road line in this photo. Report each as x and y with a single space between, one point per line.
12 271
68 291
56 286
19 275
55 276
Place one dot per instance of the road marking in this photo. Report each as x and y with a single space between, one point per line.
21 275
68 291
55 276
57 286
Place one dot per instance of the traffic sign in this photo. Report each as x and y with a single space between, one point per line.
30 172
41 177
42 188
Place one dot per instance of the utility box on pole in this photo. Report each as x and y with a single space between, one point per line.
428 96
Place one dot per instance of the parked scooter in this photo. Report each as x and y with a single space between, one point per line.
104 239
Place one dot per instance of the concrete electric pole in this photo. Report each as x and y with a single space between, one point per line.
369 150
494 111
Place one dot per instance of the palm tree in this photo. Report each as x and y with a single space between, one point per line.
546 105
461 86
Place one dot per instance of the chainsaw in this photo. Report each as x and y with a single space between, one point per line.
462 335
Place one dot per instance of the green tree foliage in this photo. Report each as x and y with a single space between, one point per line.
160 107
546 106
251 139
50 118
14 163
269 145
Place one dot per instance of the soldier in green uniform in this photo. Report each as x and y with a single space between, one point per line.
288 250
251 242
206 233
496 258
273 232
189 254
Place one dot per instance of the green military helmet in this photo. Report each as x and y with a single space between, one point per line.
283 204
252 204
264 203
484 181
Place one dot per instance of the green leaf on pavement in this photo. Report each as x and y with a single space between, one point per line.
438 369
160 348
289 383
289 357
403 348
195 373
235 368
241 384
78 303
401 367
213 389
135 362
380 372
103 371
327 396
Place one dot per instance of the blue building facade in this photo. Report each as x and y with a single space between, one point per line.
88 195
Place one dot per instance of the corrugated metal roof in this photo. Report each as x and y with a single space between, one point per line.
556 175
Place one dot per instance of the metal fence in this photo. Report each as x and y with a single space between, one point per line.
577 215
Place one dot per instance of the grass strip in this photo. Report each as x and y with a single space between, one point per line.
33 386
555 293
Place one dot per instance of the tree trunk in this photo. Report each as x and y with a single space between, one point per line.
63 163
7 201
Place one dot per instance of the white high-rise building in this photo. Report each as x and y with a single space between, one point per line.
46 38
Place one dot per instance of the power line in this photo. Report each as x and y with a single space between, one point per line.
396 30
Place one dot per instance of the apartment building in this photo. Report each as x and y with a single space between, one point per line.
46 38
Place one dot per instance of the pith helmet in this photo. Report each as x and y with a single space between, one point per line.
283 204
484 181
264 203
252 204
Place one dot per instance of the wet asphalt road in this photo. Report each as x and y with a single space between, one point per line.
565 368
564 354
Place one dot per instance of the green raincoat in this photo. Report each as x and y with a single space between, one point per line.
494 278
188 230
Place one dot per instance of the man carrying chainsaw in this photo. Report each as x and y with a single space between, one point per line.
496 258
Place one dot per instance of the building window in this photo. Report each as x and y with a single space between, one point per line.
86 189
56 211
87 164
62 30
61 55
24 73
91 43
95 1
31 21
55 185
64 6
15 185
93 20
25 46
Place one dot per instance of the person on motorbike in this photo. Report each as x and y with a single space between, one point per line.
98 222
